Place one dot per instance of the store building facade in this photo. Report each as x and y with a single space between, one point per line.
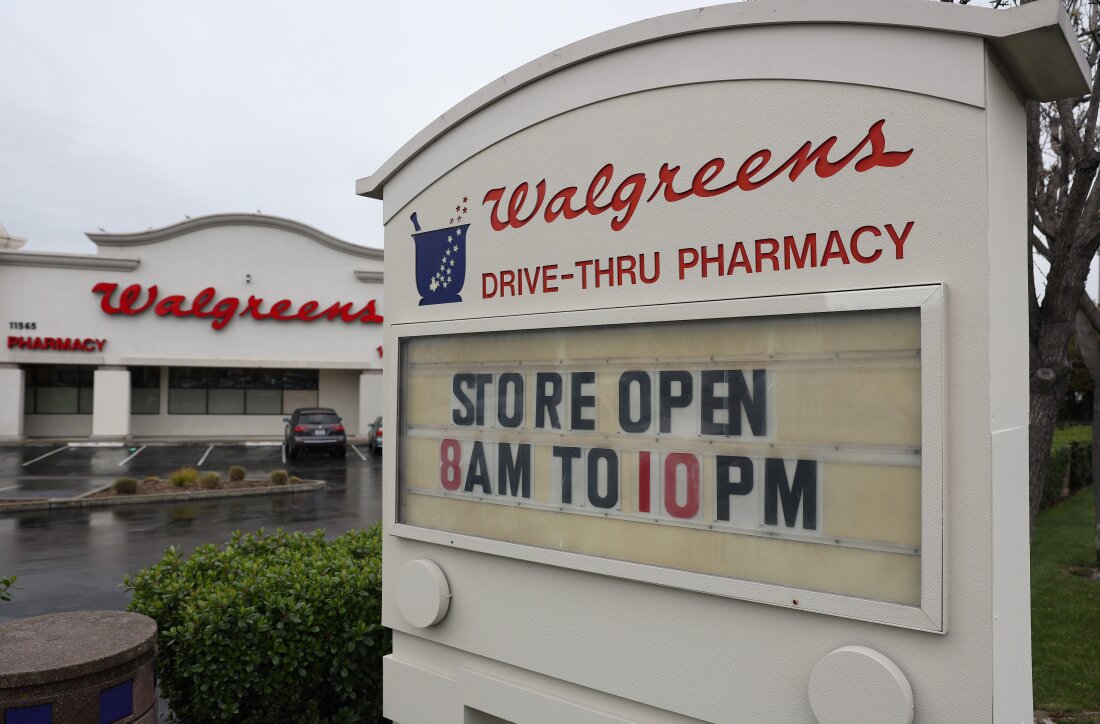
215 327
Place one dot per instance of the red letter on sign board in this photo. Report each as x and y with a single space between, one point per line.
643 481
691 506
450 471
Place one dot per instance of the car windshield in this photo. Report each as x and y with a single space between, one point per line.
319 419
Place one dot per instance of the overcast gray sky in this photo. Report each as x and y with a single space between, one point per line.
128 114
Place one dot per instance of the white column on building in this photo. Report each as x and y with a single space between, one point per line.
111 402
370 398
11 402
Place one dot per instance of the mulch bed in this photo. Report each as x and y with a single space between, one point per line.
164 486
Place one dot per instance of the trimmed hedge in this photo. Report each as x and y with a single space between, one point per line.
270 627
1067 453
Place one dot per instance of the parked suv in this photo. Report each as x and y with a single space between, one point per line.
315 428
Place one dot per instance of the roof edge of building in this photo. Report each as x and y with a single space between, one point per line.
154 236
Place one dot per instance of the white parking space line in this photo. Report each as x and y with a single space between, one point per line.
10 487
283 451
133 456
43 457
364 457
204 455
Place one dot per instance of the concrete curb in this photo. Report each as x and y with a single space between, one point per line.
82 501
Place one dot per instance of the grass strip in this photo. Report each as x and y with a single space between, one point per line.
1065 609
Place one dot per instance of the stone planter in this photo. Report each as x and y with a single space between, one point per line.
84 666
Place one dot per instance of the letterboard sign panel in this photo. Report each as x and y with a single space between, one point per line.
780 449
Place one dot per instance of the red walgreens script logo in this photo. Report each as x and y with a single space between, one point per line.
628 195
206 305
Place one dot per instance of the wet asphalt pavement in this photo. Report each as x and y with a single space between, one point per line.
75 559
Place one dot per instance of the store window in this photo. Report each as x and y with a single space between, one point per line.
145 390
264 395
299 389
238 391
225 391
187 391
58 390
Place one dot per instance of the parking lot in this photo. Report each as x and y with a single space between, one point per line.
50 471
75 558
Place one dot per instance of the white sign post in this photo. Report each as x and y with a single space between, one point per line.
707 398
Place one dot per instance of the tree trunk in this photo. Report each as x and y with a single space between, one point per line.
1044 415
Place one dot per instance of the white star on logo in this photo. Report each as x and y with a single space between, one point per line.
456 249
434 285
451 238
459 232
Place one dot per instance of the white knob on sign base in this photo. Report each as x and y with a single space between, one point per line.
855 683
423 596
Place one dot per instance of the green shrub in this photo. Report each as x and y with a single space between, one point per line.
1056 474
6 584
210 481
294 480
279 477
269 628
184 477
237 473
125 486
151 479
1070 455
1080 465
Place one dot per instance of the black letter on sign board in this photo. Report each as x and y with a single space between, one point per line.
514 475
482 381
803 492
711 403
577 401
465 416
595 455
755 405
667 400
546 403
567 455
645 401
478 474
516 381
724 487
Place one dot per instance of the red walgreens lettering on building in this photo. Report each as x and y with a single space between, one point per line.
206 305
628 194
57 344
